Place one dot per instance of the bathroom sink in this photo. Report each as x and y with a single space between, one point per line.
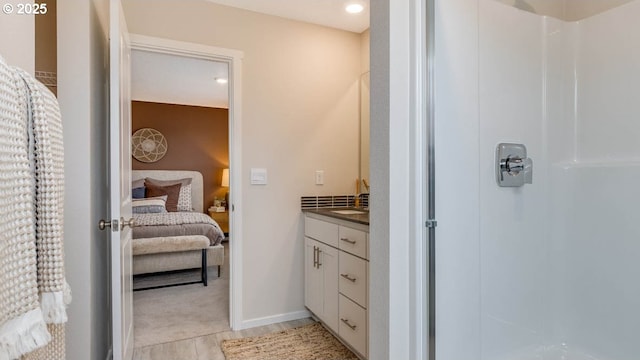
348 212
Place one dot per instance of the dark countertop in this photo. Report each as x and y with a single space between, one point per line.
356 218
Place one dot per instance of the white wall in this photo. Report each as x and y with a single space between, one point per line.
598 306
457 183
514 303
608 76
600 250
397 158
365 49
379 202
82 39
300 114
365 107
17 43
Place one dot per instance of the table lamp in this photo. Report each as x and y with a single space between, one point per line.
225 183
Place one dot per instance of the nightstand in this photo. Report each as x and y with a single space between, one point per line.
222 218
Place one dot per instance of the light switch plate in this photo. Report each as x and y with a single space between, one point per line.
258 176
319 177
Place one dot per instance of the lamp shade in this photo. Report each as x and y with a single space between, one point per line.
225 178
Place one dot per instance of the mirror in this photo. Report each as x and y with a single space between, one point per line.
364 130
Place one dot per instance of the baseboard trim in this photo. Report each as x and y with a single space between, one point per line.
274 319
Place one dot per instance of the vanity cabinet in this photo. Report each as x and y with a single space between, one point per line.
321 279
337 277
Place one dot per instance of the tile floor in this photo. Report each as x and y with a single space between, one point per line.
207 347
170 335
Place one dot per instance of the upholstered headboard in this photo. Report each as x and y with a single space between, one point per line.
197 192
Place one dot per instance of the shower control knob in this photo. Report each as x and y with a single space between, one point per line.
513 167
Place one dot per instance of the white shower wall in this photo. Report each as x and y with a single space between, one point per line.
513 250
521 271
601 243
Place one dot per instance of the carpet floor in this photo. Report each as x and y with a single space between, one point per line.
311 342
181 312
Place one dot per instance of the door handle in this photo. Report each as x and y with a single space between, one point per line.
319 263
103 224
124 223
315 258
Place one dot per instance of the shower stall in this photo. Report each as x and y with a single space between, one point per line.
548 270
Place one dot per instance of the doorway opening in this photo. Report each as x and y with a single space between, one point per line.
208 143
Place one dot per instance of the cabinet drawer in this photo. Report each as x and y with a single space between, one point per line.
353 241
353 325
321 231
353 278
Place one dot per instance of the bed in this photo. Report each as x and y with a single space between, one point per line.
174 226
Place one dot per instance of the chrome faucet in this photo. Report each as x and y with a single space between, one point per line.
358 195
366 185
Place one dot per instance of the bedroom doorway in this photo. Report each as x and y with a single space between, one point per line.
231 61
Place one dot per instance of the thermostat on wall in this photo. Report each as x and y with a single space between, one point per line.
258 176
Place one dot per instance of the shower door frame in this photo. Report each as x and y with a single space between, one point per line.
431 223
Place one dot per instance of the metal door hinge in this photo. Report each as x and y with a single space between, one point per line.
431 223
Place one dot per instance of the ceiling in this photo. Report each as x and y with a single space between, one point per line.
154 75
567 10
329 13
154 78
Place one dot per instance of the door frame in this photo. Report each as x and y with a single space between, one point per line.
233 58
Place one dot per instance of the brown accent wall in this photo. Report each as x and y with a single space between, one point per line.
197 139
46 51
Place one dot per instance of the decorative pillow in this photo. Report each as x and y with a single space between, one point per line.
138 193
184 199
172 192
137 183
149 205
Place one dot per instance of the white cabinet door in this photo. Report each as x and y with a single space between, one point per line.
313 278
321 281
329 266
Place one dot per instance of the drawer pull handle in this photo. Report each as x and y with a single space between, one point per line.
352 242
346 322
346 276
319 263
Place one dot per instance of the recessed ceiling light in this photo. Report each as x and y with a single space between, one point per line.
221 80
354 8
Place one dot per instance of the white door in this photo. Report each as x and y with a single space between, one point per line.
120 184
